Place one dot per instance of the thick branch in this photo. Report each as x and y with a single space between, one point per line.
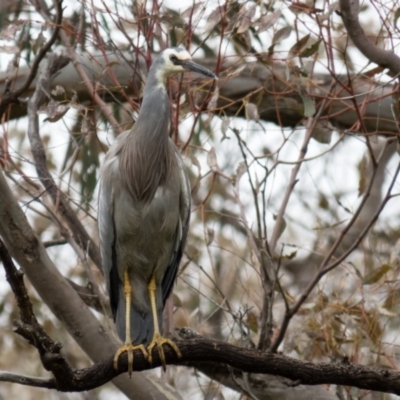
199 349
349 10
97 341
88 295
275 95
196 350
29 327
263 386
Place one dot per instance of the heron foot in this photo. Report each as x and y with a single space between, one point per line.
159 341
129 348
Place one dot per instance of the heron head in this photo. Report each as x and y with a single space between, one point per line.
177 59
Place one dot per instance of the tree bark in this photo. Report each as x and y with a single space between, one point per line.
274 89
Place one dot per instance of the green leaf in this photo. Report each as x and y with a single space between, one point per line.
323 202
308 102
252 321
282 34
252 112
375 275
322 134
309 51
322 228
267 21
290 256
38 42
296 48
282 226
363 176
392 300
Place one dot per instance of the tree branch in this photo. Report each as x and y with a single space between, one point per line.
277 97
29 327
26 380
97 341
43 50
194 349
10 97
263 386
43 88
349 10
197 350
325 266
88 295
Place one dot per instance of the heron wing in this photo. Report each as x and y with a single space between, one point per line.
107 231
182 229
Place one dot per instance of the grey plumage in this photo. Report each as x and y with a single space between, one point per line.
144 206
151 236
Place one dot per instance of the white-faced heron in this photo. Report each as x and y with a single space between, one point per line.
143 215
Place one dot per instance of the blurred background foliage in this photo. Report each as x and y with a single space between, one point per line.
295 183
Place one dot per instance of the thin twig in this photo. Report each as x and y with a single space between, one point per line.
43 50
79 234
324 266
11 97
27 380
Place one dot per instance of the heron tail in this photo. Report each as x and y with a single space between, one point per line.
142 323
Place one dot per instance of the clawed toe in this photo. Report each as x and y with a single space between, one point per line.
159 341
129 348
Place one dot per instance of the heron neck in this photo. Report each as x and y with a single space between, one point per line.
146 158
154 115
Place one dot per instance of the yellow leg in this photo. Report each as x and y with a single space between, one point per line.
128 346
158 340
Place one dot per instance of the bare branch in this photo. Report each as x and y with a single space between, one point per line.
43 50
26 380
56 242
276 96
89 296
29 327
12 97
54 64
303 267
349 10
310 125
97 341
325 266
197 350
264 386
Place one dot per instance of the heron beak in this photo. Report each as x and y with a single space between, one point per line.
192 66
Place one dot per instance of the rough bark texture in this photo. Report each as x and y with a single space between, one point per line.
277 97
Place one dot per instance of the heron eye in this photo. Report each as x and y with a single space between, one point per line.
173 58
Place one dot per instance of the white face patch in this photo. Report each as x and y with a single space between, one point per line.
169 67
181 54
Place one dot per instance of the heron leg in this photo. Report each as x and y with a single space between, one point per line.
128 346
158 340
